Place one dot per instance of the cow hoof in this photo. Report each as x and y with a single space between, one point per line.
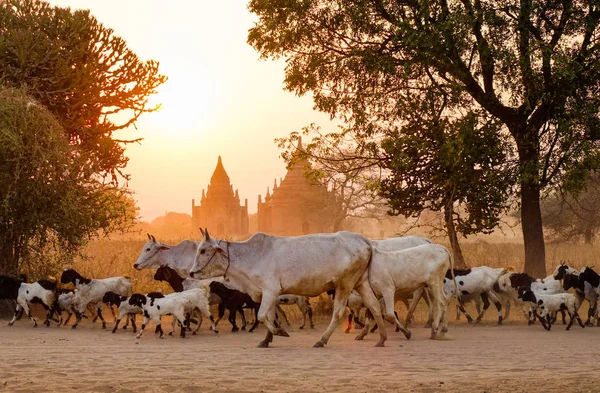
124 328
589 324
397 329
137 337
161 337
313 326
244 328
407 334
470 320
74 327
360 337
380 344
234 330
319 344
427 325
170 334
103 326
301 328
347 330
10 324
114 331
281 332
263 344
193 333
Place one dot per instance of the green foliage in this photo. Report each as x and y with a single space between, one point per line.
87 77
51 201
532 66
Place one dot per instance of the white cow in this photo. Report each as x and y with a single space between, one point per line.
399 273
156 254
266 266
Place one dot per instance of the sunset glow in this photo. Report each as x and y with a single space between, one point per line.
220 99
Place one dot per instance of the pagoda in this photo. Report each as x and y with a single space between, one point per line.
220 209
297 205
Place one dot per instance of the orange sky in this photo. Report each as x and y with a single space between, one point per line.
219 100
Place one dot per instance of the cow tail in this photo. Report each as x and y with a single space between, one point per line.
457 292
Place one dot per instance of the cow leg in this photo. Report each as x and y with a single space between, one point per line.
366 292
350 316
339 307
461 306
283 315
438 308
417 295
430 304
486 305
390 314
268 304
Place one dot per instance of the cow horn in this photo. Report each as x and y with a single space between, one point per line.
201 231
153 239
206 235
149 237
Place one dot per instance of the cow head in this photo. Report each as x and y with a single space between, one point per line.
150 256
211 258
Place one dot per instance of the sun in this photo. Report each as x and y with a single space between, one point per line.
186 103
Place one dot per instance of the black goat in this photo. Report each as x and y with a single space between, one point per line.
235 301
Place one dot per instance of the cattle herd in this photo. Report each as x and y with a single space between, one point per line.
265 272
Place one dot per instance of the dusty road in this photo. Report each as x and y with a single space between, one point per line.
485 358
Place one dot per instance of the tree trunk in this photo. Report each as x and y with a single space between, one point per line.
9 255
589 237
457 256
531 214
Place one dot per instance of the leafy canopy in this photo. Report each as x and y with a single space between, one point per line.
86 76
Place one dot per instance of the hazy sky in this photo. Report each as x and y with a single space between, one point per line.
220 99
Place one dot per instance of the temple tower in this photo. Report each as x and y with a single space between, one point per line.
296 206
220 209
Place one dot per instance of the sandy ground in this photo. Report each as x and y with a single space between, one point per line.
483 358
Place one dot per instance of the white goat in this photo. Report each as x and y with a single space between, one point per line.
176 304
91 291
548 304
510 282
42 292
479 281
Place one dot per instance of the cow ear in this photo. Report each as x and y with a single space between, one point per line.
163 248
220 250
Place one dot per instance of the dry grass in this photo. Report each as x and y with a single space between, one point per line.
106 258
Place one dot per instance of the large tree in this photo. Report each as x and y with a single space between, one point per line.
57 191
531 64
84 74
51 202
